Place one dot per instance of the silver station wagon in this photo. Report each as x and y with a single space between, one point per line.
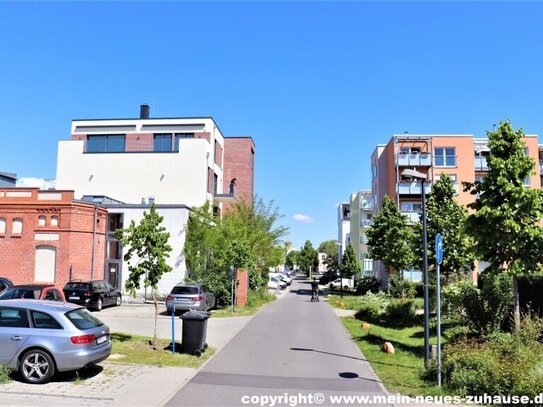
185 297
39 338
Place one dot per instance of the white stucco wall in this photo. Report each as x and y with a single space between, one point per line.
172 178
174 221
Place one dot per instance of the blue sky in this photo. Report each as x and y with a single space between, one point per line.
316 84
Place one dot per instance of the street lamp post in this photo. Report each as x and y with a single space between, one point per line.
413 174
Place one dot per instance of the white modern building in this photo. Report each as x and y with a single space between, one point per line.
176 163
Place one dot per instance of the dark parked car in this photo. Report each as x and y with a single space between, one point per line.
190 296
33 292
41 337
5 283
92 294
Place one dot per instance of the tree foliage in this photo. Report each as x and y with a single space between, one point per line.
308 258
246 237
349 263
146 244
391 238
330 247
506 214
446 216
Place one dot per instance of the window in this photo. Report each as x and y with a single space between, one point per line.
162 142
41 221
52 295
44 321
179 136
445 156
13 318
83 319
215 183
17 227
111 143
409 150
2 226
54 220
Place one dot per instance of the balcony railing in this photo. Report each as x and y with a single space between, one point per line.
412 217
414 159
481 164
455 186
366 222
412 188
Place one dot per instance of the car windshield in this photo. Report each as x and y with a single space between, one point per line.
76 286
184 290
83 319
12 293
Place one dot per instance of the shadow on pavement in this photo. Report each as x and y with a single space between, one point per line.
326 353
64 377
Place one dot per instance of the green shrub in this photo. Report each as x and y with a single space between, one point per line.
258 298
400 288
4 375
369 311
401 309
368 285
503 364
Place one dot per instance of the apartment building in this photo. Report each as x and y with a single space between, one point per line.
175 163
463 157
343 227
361 208
47 236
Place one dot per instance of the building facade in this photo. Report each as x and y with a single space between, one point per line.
343 227
7 180
48 237
175 163
361 208
463 157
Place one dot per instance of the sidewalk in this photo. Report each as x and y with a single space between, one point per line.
112 384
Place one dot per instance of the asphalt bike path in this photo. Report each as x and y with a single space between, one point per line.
294 352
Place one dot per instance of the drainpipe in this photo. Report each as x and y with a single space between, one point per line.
93 242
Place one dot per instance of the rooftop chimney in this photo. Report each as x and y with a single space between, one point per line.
144 111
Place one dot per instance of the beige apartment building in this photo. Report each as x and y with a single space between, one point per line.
463 157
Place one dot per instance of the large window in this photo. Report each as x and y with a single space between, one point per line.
162 142
110 143
445 156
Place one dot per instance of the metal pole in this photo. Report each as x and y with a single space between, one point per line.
438 290
173 326
425 277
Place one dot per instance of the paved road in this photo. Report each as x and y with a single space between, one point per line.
291 348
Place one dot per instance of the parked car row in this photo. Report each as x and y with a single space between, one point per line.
278 281
185 297
93 294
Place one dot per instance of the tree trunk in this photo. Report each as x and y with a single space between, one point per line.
156 319
516 304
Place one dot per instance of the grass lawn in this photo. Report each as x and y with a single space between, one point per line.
254 303
137 349
349 301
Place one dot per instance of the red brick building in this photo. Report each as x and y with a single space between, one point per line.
48 237
239 165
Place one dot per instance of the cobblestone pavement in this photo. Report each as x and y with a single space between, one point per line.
108 384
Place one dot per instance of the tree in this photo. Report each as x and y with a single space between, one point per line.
148 244
505 222
446 216
349 263
246 237
308 258
330 247
292 259
391 238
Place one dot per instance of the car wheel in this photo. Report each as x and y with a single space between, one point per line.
331 286
99 304
37 366
118 301
346 287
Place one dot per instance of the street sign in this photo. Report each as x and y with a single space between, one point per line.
439 248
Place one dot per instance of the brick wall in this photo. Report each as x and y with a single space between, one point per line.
205 135
73 236
242 287
239 164
139 142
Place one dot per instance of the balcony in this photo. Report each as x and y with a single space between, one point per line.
366 222
412 188
414 159
412 217
481 164
455 186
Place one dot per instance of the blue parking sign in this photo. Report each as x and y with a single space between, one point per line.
439 248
